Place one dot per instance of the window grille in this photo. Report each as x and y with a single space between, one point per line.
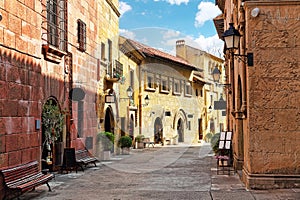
81 35
57 23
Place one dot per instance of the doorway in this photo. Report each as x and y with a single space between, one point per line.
53 122
158 131
180 130
109 123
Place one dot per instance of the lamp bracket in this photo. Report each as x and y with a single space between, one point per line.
249 59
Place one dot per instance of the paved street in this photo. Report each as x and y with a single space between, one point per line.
178 172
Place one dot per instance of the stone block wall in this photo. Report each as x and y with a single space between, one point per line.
272 143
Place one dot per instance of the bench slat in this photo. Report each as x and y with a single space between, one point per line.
22 178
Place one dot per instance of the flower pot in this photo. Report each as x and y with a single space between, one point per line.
125 151
105 155
140 145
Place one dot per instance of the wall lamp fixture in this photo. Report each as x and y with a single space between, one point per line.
129 92
147 100
216 74
232 39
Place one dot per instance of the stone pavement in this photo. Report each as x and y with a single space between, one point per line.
169 172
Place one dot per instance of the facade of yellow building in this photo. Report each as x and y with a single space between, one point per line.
213 119
173 111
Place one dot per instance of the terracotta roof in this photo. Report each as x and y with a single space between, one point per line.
149 51
219 24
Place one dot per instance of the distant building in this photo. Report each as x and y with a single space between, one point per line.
264 102
212 119
173 113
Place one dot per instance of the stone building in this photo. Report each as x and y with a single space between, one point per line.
56 55
263 105
173 111
213 119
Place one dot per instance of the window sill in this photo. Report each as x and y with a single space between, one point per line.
52 54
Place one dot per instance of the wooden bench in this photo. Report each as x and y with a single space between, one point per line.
83 158
147 141
22 178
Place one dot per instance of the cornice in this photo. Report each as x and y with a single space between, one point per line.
110 3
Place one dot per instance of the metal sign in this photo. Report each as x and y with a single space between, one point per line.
109 99
220 105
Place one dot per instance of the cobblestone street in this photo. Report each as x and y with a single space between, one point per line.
153 173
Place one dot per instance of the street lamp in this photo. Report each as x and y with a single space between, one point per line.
129 92
216 74
232 39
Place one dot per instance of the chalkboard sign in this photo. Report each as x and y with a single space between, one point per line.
69 161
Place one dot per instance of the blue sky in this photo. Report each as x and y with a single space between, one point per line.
159 23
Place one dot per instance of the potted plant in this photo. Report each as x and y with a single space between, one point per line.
125 142
52 127
139 141
106 143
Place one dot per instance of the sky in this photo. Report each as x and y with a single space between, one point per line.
160 23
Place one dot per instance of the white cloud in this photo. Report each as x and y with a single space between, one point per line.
176 2
124 7
206 12
212 45
165 40
127 34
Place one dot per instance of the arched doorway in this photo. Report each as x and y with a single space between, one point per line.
52 135
180 130
158 131
109 120
109 123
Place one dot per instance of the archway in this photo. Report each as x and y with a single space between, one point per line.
158 131
180 130
109 120
109 123
52 135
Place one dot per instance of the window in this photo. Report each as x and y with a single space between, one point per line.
118 69
149 81
110 64
176 87
164 85
103 51
188 89
57 24
81 35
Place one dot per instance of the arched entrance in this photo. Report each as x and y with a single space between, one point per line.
52 135
158 131
109 122
180 130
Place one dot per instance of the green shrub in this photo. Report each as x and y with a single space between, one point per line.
125 142
107 140
215 142
207 137
139 138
